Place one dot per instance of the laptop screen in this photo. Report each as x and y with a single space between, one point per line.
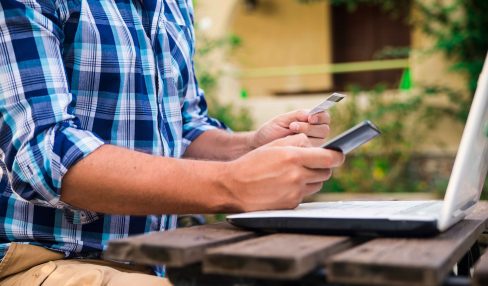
471 164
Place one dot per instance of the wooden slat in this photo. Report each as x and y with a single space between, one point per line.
281 256
387 261
480 275
175 248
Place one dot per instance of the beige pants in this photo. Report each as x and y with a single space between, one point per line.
32 266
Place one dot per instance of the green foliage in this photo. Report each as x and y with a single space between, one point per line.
383 164
238 119
459 31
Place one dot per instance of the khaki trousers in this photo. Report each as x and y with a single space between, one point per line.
34 266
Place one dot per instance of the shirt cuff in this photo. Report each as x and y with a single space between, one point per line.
41 164
193 129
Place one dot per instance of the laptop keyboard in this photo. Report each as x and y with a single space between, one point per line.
373 208
358 209
423 208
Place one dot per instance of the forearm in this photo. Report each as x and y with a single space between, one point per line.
220 145
119 181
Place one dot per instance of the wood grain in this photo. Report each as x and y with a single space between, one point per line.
277 256
175 248
425 261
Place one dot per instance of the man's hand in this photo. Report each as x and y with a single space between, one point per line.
278 175
316 127
222 146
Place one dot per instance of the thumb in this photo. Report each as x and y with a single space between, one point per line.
297 140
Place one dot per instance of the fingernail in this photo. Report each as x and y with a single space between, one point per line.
313 119
294 126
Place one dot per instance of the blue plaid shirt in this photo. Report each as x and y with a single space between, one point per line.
77 74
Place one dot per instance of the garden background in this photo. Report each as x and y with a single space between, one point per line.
409 66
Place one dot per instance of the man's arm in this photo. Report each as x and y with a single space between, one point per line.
275 176
217 144
220 145
121 181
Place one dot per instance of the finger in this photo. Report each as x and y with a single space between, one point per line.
319 158
319 118
317 142
310 189
317 131
297 140
313 176
301 115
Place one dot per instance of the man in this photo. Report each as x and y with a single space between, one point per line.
98 103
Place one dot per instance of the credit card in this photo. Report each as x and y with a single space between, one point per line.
327 103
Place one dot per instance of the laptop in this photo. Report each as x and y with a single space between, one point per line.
396 218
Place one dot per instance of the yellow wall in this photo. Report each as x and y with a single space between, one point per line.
281 33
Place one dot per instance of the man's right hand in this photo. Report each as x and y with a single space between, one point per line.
279 175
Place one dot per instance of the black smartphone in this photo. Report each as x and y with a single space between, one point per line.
353 138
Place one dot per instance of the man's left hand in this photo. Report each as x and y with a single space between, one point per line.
316 127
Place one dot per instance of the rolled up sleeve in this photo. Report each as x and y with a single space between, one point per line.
195 117
40 136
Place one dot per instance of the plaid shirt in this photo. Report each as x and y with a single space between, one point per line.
76 74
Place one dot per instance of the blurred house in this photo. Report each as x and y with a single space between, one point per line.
293 54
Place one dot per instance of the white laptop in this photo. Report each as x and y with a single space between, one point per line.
397 218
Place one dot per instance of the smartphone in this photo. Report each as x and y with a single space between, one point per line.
353 138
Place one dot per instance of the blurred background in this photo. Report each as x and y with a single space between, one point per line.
409 66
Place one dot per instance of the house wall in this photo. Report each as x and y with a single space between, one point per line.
281 34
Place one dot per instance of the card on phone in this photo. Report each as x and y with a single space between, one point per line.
327 103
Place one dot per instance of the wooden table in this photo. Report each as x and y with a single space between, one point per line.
220 254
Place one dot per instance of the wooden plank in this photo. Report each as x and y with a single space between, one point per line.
175 248
193 275
414 261
480 275
277 256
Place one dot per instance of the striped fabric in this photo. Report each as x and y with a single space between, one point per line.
76 74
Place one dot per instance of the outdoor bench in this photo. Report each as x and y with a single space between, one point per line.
220 254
